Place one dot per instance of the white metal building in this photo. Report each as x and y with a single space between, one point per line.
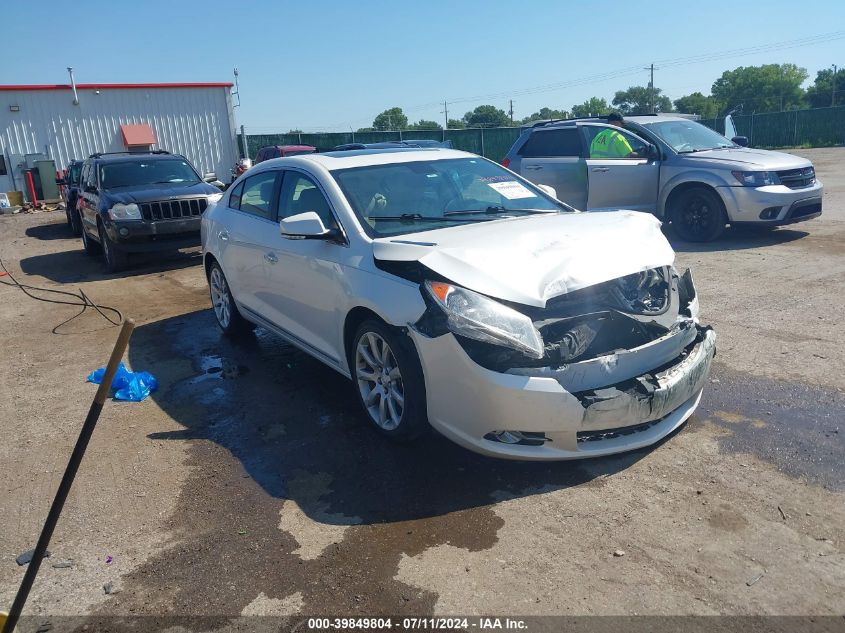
48 121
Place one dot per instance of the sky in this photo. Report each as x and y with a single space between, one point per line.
331 65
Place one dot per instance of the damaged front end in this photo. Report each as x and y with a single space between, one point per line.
630 351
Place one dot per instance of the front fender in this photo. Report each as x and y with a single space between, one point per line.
694 176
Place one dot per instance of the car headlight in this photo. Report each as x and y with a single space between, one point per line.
756 178
125 212
475 316
214 198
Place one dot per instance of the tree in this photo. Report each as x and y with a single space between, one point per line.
546 113
594 106
637 100
391 119
697 103
422 124
819 94
456 124
766 88
487 116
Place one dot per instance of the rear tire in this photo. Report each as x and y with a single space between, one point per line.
223 303
388 380
698 215
75 222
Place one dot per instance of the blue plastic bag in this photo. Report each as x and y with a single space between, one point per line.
128 385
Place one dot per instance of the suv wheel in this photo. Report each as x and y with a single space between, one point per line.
225 311
114 258
389 381
698 215
91 247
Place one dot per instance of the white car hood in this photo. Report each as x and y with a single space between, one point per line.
531 259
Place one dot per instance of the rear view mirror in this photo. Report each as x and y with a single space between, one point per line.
742 141
306 226
549 190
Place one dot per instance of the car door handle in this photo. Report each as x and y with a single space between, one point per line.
533 167
271 258
601 169
223 235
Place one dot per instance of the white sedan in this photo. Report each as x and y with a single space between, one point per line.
456 294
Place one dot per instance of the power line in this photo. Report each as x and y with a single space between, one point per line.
628 71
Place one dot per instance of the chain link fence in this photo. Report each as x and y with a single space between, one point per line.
819 127
491 143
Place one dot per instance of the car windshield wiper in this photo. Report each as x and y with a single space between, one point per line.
494 209
412 217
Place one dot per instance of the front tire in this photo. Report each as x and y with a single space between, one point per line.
698 215
225 310
389 381
91 247
114 259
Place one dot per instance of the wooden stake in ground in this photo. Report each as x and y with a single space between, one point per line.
9 622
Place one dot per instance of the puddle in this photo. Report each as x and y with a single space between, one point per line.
799 428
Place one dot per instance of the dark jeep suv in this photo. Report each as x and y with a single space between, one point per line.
141 202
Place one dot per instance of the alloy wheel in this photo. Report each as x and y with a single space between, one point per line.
698 216
379 381
220 297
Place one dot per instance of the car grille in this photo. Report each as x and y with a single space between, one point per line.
173 209
797 178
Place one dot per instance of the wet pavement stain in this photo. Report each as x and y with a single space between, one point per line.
254 439
798 428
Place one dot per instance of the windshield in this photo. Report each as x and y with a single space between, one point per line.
418 196
689 136
146 172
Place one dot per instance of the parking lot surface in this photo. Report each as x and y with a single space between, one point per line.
250 484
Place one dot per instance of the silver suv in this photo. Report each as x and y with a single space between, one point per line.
677 169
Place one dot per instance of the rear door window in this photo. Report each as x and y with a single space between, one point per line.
552 143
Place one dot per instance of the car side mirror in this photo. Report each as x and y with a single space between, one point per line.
742 141
90 189
61 181
209 177
652 152
548 189
306 226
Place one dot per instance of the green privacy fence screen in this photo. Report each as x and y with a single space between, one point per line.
493 143
819 127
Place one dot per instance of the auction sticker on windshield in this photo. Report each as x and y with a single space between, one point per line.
511 190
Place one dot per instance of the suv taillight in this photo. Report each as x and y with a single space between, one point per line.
506 162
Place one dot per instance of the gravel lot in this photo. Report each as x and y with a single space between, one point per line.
249 485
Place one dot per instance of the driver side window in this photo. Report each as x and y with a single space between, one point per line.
610 142
299 195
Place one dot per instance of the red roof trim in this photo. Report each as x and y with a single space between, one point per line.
114 86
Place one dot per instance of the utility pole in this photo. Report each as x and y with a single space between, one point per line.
651 88
446 115
833 87
511 111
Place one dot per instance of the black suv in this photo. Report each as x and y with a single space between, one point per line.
141 202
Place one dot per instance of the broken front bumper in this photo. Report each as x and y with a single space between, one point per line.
606 405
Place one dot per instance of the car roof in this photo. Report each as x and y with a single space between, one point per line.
366 157
655 118
130 156
289 147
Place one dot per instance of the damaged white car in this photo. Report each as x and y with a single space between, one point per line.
456 294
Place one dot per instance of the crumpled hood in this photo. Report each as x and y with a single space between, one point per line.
759 158
531 259
162 191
